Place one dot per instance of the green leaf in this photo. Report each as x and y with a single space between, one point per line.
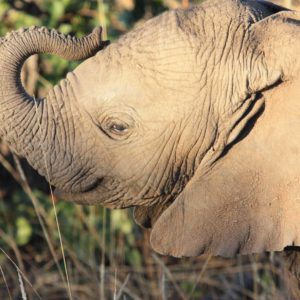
24 231
3 8
121 222
57 10
20 19
65 28
135 258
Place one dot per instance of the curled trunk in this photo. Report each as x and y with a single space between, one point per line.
30 126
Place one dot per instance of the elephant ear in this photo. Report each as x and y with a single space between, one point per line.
228 210
277 38
225 212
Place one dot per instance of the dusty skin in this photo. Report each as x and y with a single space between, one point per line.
193 118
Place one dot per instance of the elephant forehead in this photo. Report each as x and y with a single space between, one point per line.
145 106
112 80
180 33
179 48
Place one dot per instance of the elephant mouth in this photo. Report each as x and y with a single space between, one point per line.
92 186
90 194
97 193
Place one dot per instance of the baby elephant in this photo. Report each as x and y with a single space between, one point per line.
193 118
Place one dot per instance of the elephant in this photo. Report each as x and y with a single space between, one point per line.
192 118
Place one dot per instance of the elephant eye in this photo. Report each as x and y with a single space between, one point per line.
118 128
117 125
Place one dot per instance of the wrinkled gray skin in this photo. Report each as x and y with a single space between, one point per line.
161 118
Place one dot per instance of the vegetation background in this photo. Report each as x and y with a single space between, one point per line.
50 249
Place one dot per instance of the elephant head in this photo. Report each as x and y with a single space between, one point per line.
155 121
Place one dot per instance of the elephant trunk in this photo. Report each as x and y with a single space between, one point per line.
31 126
